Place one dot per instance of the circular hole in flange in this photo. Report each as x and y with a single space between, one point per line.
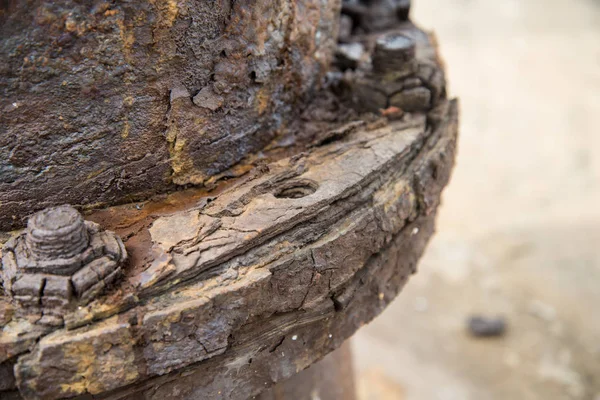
296 189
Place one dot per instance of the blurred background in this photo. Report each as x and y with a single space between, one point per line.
519 230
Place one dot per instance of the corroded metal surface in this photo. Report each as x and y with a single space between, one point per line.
243 284
106 102
331 265
59 262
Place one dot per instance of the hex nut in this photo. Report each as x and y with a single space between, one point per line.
368 97
415 99
59 261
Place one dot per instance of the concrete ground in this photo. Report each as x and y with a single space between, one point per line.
519 229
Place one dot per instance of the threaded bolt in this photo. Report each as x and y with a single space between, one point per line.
393 51
57 232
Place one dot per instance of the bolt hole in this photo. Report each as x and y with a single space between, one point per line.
296 189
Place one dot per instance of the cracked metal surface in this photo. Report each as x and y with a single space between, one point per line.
108 102
232 289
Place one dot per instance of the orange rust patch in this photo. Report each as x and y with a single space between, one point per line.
132 221
262 100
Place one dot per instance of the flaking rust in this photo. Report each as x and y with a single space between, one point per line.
86 116
233 288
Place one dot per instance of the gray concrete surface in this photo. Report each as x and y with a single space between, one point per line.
519 230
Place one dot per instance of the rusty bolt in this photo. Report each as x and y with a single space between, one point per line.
57 232
59 261
394 53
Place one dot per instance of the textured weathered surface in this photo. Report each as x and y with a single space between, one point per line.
332 378
59 262
233 290
105 102
319 277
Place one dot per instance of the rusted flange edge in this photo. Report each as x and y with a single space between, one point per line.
272 317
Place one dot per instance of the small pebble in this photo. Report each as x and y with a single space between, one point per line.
480 326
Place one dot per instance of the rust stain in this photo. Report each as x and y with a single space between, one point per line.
167 10
127 38
119 363
94 174
132 221
262 100
126 128
182 164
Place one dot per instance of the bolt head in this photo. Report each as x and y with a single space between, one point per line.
58 262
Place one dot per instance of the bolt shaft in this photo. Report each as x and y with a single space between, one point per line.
57 232
392 52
